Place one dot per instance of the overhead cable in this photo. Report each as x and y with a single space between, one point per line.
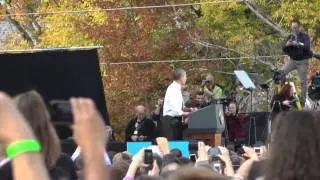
190 60
119 8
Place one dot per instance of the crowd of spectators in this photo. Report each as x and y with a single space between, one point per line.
292 152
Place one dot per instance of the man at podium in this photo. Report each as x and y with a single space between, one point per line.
173 107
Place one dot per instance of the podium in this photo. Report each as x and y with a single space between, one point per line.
207 124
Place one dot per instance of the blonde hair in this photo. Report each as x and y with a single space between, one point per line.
32 106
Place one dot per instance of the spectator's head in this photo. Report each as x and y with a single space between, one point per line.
257 170
295 26
233 108
111 154
59 174
176 153
118 171
169 169
140 112
120 164
286 91
169 159
120 157
32 106
183 161
200 98
180 76
191 173
295 147
210 79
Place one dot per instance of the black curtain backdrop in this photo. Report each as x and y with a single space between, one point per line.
261 119
55 75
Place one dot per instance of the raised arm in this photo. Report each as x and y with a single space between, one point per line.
30 164
89 133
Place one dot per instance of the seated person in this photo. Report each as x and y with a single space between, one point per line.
201 100
157 116
140 128
235 123
211 89
285 100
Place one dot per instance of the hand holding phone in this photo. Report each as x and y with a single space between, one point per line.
148 157
218 167
257 150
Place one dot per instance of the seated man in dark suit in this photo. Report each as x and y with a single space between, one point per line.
140 128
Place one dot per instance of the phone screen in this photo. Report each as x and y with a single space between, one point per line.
257 150
148 156
217 167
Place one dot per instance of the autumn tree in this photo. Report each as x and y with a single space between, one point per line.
218 30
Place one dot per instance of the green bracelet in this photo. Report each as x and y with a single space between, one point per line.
20 147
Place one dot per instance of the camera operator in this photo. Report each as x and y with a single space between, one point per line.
210 89
285 100
313 99
297 47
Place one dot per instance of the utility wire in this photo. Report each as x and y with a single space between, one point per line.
188 60
119 9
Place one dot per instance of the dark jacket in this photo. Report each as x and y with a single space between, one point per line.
145 128
299 52
235 126
277 106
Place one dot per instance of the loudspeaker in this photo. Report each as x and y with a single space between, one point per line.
261 122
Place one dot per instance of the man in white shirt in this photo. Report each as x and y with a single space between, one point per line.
173 106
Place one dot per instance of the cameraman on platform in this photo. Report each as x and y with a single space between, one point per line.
297 47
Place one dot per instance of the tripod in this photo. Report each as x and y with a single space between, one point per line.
271 117
252 120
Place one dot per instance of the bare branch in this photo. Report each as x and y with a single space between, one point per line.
265 19
24 33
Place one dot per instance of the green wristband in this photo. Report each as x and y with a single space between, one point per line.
20 147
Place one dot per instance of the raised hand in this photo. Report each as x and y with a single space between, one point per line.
90 134
12 123
224 156
286 103
26 166
89 128
202 152
137 162
249 152
163 145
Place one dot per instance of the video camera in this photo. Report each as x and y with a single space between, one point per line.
276 76
314 89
